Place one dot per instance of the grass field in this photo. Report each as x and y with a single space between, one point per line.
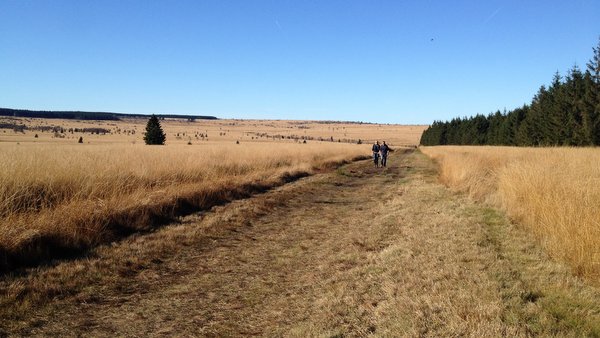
202 131
554 192
59 197
354 252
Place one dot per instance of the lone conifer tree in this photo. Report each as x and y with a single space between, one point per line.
154 133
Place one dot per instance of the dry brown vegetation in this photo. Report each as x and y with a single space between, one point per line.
359 251
554 192
208 131
59 198
355 252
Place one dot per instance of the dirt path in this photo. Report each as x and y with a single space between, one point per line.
360 251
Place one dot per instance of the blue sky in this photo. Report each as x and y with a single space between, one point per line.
369 61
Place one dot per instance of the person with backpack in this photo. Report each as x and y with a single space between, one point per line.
384 149
376 148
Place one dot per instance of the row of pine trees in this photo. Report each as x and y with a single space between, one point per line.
565 113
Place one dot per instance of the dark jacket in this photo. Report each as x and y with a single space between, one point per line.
384 149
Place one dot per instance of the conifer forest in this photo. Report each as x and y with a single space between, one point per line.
566 113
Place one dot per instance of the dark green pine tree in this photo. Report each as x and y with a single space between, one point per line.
154 133
589 114
554 127
593 94
493 132
579 116
534 127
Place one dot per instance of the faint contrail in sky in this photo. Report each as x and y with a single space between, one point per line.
278 25
492 15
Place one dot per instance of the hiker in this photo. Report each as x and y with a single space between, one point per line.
376 149
384 150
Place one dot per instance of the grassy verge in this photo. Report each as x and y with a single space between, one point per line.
553 192
539 294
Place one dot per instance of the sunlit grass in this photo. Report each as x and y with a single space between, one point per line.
555 192
70 192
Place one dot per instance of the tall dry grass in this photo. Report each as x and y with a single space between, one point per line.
555 192
58 200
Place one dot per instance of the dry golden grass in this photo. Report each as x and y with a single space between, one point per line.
182 132
38 177
360 251
59 199
554 192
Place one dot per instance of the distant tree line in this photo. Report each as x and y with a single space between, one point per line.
71 115
18 127
565 113
83 115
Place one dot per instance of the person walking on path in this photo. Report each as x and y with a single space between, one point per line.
384 149
376 148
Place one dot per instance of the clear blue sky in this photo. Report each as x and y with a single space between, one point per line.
338 60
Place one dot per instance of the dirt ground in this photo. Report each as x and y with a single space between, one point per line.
360 251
